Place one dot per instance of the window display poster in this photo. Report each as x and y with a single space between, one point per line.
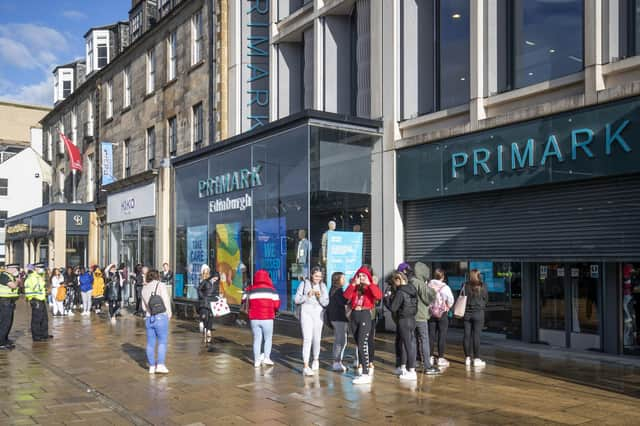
486 269
197 243
271 252
228 261
344 253
178 289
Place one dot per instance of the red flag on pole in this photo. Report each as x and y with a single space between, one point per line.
75 158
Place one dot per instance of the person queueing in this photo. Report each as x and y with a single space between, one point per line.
8 296
97 291
57 280
139 283
477 298
114 292
35 290
389 295
208 291
338 317
439 321
362 293
405 306
86 288
313 297
157 308
426 298
263 302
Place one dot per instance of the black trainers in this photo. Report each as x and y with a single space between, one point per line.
433 371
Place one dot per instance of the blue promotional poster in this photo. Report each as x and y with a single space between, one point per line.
344 253
271 253
197 249
486 269
106 148
178 289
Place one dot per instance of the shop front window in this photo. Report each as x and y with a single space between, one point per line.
76 250
631 308
147 241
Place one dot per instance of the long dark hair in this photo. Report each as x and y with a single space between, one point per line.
336 277
475 281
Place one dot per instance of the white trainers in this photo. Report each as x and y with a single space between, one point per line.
161 368
267 361
362 380
409 375
201 326
359 370
399 371
467 361
315 365
442 362
337 366
371 370
432 359
257 364
152 370
307 371
113 320
477 362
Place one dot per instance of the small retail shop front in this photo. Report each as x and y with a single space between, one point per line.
548 211
270 199
57 235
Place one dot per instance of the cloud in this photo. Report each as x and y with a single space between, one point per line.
30 46
38 94
16 54
74 14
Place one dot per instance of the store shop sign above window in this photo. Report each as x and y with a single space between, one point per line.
587 143
133 204
77 223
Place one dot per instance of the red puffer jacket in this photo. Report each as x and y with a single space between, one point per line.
263 297
370 295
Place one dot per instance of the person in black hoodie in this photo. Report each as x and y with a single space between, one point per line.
139 283
337 316
405 306
208 291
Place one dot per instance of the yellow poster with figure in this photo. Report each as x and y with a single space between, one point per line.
228 261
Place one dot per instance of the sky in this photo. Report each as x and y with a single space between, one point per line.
38 35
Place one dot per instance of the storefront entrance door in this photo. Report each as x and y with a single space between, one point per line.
569 304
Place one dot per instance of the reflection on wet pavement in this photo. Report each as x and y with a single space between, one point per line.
94 373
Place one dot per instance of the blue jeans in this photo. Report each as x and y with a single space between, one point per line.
157 330
260 329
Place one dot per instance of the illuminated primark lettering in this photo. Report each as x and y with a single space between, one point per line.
581 143
237 180
258 52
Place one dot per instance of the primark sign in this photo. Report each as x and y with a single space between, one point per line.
587 143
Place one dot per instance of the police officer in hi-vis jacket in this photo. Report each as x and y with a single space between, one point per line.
35 290
8 296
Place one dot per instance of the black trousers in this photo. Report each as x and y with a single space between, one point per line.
438 331
361 326
7 306
138 298
401 353
39 320
406 330
372 338
473 323
114 305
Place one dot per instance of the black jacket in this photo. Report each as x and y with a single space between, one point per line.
405 302
337 304
114 287
476 299
207 292
167 277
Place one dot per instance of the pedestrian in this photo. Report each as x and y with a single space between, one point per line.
71 284
337 315
208 291
123 273
313 298
57 281
167 275
157 308
78 299
36 294
374 324
362 294
439 319
263 302
86 288
8 296
426 297
389 295
405 306
477 298
139 283
114 291
97 291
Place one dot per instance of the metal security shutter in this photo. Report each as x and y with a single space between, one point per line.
597 220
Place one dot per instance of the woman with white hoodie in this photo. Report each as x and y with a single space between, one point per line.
439 321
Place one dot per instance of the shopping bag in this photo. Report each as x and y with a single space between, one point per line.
460 306
220 307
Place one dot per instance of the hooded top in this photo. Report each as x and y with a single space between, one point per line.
405 302
366 296
98 284
86 281
263 299
426 295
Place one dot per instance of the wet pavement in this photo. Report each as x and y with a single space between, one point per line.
95 373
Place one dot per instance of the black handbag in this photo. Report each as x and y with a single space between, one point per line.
156 304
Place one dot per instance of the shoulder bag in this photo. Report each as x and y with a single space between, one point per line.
460 306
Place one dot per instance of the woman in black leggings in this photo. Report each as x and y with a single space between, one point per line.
477 298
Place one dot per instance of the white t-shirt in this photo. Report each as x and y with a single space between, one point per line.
57 281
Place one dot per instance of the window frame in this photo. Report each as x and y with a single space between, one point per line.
172 135
197 35
150 71
150 139
4 215
105 45
109 112
4 187
197 125
172 55
126 87
126 158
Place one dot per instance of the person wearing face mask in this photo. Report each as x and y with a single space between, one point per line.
362 293
313 298
35 291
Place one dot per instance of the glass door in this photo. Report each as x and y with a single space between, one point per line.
584 279
552 300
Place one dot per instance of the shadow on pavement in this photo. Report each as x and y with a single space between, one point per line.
136 353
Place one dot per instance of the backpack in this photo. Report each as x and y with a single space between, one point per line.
156 304
439 307
61 294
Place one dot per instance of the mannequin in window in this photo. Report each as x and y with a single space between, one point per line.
303 252
332 227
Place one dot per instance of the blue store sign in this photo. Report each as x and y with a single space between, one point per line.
587 143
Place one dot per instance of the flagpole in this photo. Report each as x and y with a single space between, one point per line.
73 183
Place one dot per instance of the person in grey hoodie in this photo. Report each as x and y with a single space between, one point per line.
426 296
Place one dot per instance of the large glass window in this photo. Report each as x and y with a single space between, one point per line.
630 286
547 40
147 241
76 250
453 53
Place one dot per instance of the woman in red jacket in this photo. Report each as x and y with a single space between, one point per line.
263 302
362 294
